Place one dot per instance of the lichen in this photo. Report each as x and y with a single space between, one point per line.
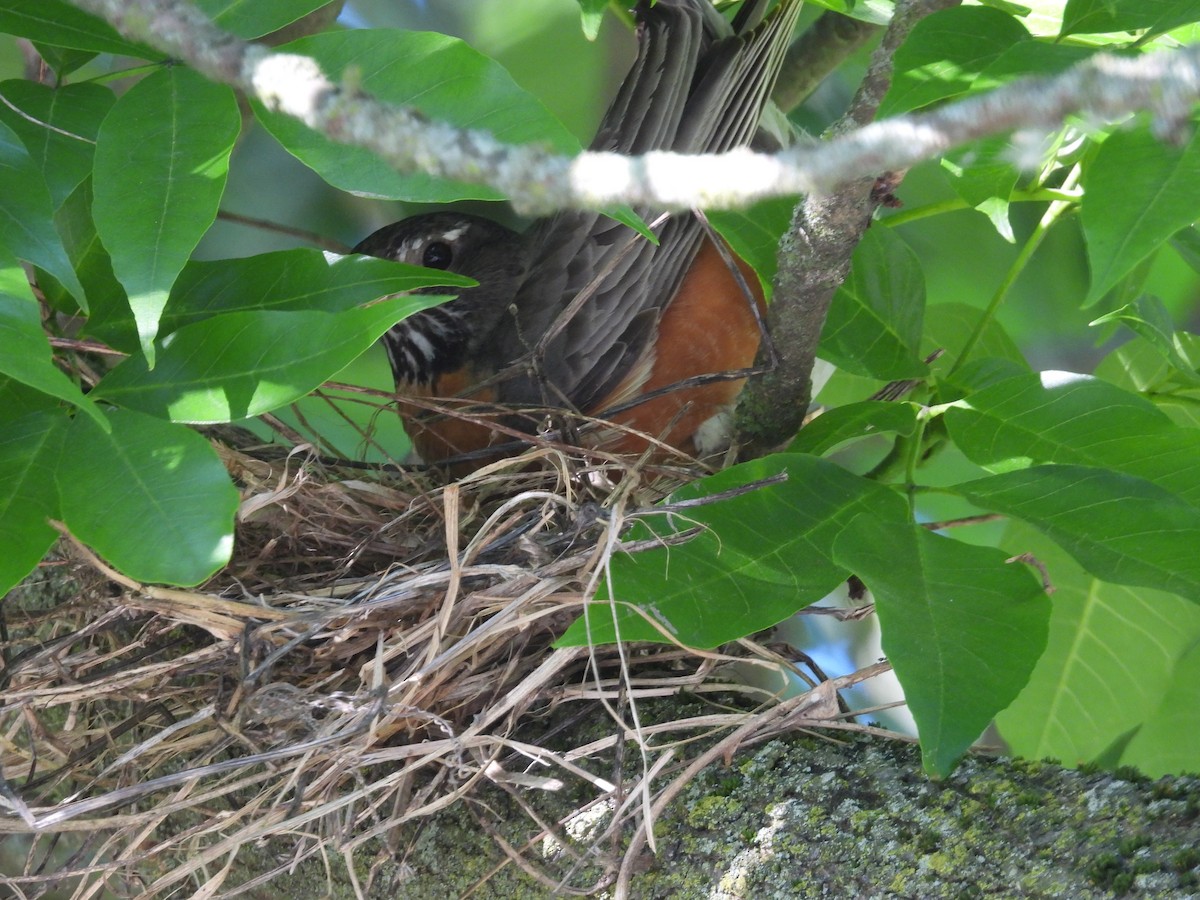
802 818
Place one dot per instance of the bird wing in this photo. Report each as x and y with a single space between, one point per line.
695 87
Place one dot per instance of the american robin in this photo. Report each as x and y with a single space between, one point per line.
581 313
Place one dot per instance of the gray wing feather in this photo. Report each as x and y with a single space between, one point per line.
694 88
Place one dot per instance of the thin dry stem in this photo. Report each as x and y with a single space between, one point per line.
380 649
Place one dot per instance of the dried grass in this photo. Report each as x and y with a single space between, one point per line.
379 649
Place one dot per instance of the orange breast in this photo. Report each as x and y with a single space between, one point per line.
438 436
709 327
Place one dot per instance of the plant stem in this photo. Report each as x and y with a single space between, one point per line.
954 204
1053 212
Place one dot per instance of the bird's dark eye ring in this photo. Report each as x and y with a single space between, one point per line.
437 255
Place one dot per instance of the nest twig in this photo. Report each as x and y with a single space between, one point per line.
369 656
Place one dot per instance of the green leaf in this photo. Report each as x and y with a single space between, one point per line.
1049 417
161 162
27 356
945 54
300 279
591 14
26 214
1137 365
980 374
753 234
63 60
1149 317
876 12
17 399
853 421
63 25
950 327
1074 419
151 497
29 450
984 177
1186 243
1102 16
874 323
345 425
64 159
962 628
1110 757
1029 58
1120 528
1043 18
441 77
1138 193
761 556
1129 289
250 19
92 265
243 364
1107 664
1013 9
1157 749
1184 34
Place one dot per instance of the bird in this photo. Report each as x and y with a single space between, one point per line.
581 314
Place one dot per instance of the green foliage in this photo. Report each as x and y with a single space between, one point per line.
27 357
740 555
1135 191
172 127
948 608
59 24
252 20
947 53
244 364
115 192
106 194
1115 657
754 233
438 75
64 156
855 420
877 12
157 479
30 447
874 325
1094 16
26 213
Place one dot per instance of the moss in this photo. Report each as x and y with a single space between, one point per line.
1145 867
862 821
1130 773
805 819
1186 860
709 812
1029 798
927 841
1131 845
1104 869
1122 884
727 785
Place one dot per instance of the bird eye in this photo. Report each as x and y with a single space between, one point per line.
437 255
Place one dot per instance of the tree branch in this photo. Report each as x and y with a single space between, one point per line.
538 182
821 49
801 817
814 259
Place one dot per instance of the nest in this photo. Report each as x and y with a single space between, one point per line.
381 647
